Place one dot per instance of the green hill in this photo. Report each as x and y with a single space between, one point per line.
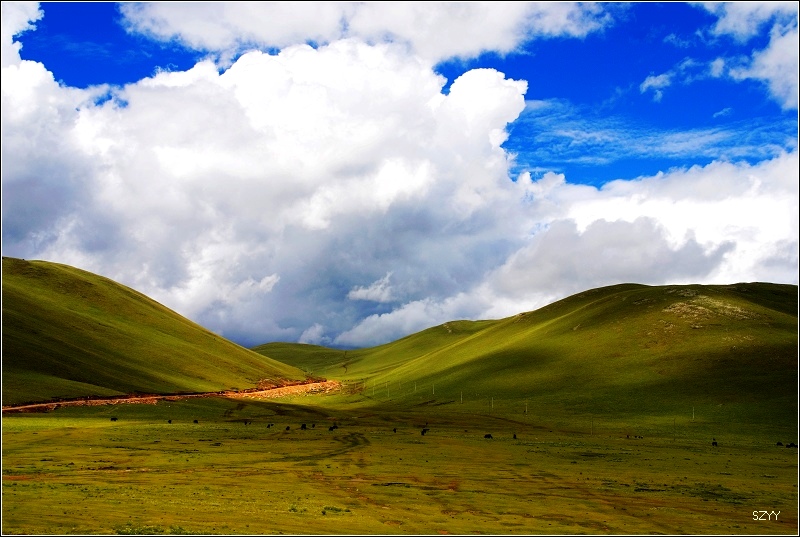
621 350
626 350
69 333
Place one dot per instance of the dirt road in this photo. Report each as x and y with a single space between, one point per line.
310 388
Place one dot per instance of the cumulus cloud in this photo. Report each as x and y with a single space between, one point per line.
17 17
379 291
432 30
720 223
268 187
336 194
41 194
409 318
314 335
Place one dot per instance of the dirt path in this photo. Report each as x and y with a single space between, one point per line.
310 388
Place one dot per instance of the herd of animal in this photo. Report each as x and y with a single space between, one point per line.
426 429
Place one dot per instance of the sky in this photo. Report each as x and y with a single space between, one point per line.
348 173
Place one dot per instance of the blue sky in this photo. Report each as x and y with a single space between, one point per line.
86 43
419 163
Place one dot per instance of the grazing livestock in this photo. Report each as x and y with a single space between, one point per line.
487 436
169 421
779 444
113 419
287 427
425 431
515 436
303 427
196 421
395 429
332 427
791 444
714 442
313 425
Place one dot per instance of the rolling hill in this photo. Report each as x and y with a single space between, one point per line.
626 349
731 351
70 333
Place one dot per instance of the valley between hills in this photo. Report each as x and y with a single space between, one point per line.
625 409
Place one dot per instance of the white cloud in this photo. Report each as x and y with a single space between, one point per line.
724 112
406 319
717 67
678 41
17 17
378 291
685 72
433 30
205 189
657 83
257 199
743 20
719 224
314 335
777 65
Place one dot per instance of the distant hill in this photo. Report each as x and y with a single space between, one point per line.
70 333
621 349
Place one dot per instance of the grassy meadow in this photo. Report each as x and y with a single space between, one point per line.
602 409
76 471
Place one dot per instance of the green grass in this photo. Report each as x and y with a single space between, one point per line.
626 350
69 333
76 471
614 396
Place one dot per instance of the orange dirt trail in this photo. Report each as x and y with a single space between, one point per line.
310 388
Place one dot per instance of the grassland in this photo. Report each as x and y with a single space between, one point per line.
69 333
623 351
602 409
76 471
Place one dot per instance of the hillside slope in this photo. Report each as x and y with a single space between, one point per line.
621 349
70 333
